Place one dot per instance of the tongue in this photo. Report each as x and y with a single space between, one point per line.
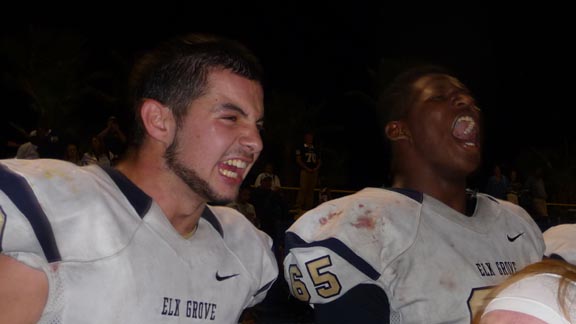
459 130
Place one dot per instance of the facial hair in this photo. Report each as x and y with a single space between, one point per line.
190 176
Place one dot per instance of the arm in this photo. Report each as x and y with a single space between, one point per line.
113 129
301 163
367 304
318 165
23 292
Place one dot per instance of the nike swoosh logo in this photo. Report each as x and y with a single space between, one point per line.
221 278
512 239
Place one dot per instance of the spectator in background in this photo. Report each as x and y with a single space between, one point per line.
497 185
537 190
29 150
514 188
43 143
72 154
309 160
97 154
113 138
268 171
243 205
272 211
324 195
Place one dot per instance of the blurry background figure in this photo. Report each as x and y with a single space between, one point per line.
514 188
497 184
273 213
42 143
324 195
309 161
97 154
29 150
537 190
268 171
113 138
243 205
72 154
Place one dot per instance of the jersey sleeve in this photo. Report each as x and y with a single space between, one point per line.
252 247
25 232
560 241
347 242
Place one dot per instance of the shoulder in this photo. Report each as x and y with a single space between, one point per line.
560 240
239 234
504 208
365 210
357 235
50 208
509 217
252 247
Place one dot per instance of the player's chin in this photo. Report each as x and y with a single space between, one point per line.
470 166
221 199
226 192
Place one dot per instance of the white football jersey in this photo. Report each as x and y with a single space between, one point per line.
111 255
433 263
561 240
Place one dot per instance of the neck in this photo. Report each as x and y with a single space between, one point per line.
181 206
451 193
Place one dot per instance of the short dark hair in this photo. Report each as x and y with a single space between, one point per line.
176 72
394 99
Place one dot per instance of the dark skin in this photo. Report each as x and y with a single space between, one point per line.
436 145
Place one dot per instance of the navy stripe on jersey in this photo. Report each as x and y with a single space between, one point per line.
137 198
20 193
209 216
416 195
2 225
264 288
294 241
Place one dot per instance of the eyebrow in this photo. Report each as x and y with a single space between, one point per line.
233 107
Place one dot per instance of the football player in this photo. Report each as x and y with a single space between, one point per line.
138 243
424 250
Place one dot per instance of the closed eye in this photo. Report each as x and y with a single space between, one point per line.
437 98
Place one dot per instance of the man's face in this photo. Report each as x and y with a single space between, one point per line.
219 139
444 124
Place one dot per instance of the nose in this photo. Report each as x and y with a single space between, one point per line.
252 140
463 100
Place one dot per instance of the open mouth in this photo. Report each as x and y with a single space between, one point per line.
466 130
233 168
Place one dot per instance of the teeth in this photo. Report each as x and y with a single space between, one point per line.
471 124
228 173
236 163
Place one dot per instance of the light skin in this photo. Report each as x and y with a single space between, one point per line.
509 317
432 153
218 142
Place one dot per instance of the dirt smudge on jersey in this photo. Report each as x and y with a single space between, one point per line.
324 220
365 221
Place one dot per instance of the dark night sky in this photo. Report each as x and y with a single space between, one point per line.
519 71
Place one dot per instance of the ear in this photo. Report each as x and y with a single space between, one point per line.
158 121
396 130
